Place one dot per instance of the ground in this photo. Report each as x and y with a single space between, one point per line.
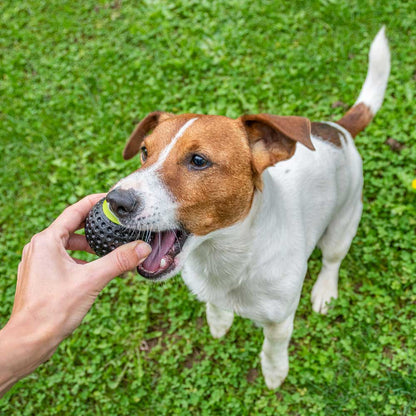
75 77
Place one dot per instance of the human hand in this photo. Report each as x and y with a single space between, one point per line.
55 291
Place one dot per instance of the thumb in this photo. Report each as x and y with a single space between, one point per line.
120 260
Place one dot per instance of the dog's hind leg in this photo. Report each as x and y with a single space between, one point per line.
334 245
274 355
219 320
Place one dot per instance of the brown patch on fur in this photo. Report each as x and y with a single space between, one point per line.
356 119
142 129
220 195
273 139
327 133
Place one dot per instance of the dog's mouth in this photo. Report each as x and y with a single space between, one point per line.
166 245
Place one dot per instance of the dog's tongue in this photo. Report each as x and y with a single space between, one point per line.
161 245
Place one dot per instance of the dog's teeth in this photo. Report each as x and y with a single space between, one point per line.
163 263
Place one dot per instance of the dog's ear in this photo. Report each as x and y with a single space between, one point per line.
273 138
141 131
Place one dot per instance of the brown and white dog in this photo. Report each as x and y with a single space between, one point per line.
239 206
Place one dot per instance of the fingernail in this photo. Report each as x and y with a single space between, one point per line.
143 250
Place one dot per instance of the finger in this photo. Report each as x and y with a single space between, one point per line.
78 242
73 217
120 260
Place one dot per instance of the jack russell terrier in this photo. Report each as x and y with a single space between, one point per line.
238 205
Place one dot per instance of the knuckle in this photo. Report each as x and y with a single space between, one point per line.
66 211
70 211
25 249
36 240
40 240
123 260
90 199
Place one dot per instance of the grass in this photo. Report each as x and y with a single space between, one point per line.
75 77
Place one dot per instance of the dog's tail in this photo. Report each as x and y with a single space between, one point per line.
372 93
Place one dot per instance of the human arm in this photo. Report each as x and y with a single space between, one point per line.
55 291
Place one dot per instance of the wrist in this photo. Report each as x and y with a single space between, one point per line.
24 346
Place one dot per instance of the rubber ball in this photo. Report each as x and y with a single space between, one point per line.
102 232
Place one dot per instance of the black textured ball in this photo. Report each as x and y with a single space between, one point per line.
104 235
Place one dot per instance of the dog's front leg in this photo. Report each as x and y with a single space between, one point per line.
274 355
219 320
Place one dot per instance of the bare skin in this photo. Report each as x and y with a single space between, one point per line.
55 291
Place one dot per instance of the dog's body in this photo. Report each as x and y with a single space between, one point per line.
251 223
297 210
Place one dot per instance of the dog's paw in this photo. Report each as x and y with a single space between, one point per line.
219 321
274 373
219 330
322 294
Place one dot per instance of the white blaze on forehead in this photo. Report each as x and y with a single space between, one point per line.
165 152
159 210
132 179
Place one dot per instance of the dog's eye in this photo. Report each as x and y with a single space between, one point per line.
198 162
144 153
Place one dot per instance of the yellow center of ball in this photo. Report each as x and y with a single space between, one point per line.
109 214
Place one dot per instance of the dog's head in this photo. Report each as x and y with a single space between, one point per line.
198 174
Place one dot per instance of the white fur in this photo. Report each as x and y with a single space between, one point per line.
256 268
374 87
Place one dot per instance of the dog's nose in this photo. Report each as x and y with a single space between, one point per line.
122 202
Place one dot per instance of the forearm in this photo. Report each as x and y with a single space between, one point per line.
23 348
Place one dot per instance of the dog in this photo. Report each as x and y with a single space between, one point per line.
238 206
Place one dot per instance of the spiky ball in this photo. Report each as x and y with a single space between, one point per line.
103 231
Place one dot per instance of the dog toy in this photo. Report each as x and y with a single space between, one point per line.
103 230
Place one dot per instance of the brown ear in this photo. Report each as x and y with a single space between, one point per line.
273 138
140 132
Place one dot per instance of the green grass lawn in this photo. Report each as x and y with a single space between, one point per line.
75 77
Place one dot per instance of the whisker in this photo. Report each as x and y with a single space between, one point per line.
176 236
147 234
